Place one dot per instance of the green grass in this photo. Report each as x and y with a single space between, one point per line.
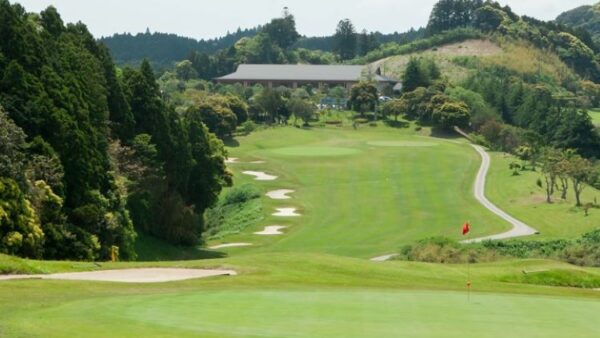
595 114
367 203
307 295
397 186
522 198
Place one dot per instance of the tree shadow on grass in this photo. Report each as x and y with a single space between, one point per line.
152 249
445 134
231 142
396 124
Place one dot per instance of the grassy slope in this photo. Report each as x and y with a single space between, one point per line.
522 198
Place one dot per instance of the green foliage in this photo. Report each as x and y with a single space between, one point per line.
282 31
451 114
238 209
450 14
345 40
419 73
301 109
20 231
363 97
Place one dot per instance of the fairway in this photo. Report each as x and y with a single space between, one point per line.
392 187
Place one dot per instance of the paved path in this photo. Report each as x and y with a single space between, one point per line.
146 275
519 228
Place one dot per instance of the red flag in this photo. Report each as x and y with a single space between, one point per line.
466 228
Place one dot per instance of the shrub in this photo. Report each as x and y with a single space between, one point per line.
248 127
240 194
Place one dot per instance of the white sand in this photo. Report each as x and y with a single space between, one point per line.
257 162
383 258
232 160
271 230
148 275
286 212
279 194
229 245
260 176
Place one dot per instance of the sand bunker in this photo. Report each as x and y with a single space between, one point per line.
229 245
279 194
401 144
286 212
383 258
258 162
149 275
260 176
232 160
271 230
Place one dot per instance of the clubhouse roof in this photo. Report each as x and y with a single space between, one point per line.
298 75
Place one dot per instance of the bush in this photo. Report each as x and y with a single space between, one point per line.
240 194
333 122
248 127
361 120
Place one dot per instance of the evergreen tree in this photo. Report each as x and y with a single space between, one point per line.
345 40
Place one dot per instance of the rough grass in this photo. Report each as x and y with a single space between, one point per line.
521 197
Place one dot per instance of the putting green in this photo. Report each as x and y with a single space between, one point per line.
401 144
315 151
328 313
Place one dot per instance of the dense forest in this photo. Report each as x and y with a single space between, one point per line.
90 152
163 49
584 17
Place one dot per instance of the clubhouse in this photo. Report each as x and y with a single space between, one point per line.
295 76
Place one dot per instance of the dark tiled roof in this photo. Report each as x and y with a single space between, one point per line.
336 73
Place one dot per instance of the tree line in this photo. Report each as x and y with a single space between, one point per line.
91 154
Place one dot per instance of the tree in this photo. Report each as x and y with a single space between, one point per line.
582 173
366 42
450 14
394 108
550 159
419 73
488 18
20 231
185 70
301 109
219 119
282 31
12 150
345 40
451 114
363 97
271 103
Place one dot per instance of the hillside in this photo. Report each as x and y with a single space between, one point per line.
162 49
459 60
584 17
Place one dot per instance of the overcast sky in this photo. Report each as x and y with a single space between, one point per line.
212 18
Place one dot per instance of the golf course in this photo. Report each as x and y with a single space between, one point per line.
355 194
356 169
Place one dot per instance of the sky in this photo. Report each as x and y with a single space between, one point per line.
212 18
